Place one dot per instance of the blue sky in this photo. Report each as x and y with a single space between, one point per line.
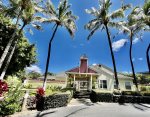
66 52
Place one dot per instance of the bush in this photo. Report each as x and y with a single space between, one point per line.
143 88
12 101
13 80
3 88
131 93
31 102
28 86
93 97
101 96
52 101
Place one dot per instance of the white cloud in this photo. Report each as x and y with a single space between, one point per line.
135 40
133 59
140 59
34 68
118 44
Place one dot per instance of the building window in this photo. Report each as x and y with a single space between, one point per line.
128 85
103 84
115 86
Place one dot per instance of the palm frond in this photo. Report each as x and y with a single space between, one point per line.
91 24
93 31
93 11
117 14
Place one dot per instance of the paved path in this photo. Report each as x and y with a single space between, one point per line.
84 108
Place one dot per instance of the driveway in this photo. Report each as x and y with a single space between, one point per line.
84 108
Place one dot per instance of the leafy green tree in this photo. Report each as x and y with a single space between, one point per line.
62 16
25 53
103 18
34 75
27 9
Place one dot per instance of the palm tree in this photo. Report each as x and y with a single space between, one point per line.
132 27
147 56
62 16
143 15
27 16
146 10
102 20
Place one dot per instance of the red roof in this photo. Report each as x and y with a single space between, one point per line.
83 68
76 70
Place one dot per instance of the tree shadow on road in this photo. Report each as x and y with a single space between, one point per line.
75 112
85 102
141 107
43 114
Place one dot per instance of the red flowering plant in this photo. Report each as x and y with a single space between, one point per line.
3 87
40 91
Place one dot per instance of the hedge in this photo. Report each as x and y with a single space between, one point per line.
125 97
53 101
101 97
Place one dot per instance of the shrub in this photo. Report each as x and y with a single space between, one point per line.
131 93
31 102
12 100
93 97
143 88
116 92
28 86
40 91
101 96
52 101
3 88
13 80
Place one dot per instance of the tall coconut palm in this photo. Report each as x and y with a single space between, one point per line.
27 17
142 15
132 28
62 16
147 57
102 20
146 10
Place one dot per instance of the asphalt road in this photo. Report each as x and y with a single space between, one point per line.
87 109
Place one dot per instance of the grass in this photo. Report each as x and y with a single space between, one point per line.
35 85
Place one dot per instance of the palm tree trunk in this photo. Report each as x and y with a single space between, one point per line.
10 41
113 58
132 66
48 57
11 55
147 56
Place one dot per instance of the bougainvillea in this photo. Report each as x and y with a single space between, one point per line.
40 91
3 87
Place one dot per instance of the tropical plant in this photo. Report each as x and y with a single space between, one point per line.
147 57
132 28
26 13
143 15
12 100
103 18
146 9
25 53
62 16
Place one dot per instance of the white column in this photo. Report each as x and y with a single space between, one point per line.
91 82
74 79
